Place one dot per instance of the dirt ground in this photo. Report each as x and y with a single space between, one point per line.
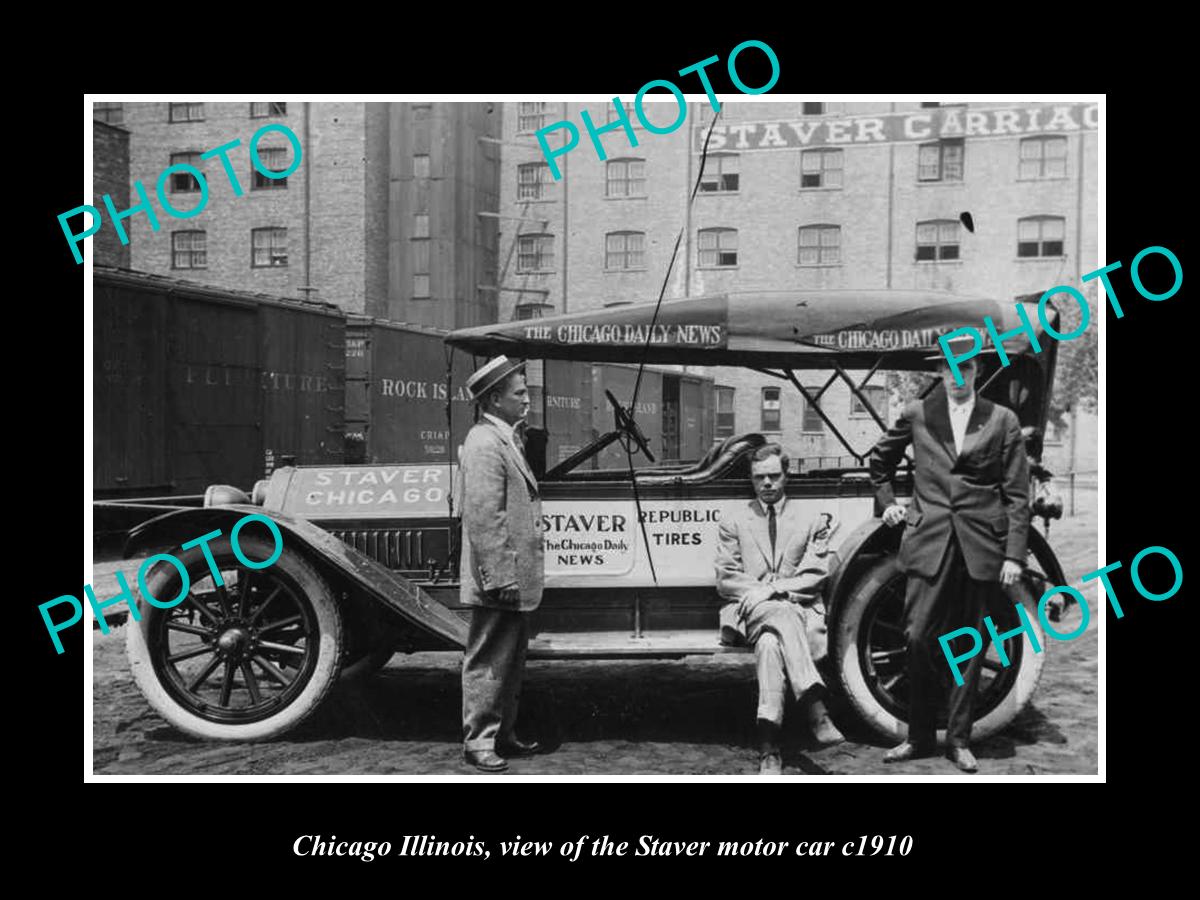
684 717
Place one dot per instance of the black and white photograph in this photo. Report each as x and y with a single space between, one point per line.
667 436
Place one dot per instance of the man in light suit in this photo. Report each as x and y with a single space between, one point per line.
967 528
501 568
772 563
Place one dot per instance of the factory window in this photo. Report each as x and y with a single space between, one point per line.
720 173
630 113
718 247
625 250
186 112
821 169
535 253
1043 157
265 110
877 396
275 159
420 165
421 225
269 247
940 161
531 116
112 113
533 181
772 419
811 423
937 239
189 250
820 245
1041 236
625 178
820 109
185 182
526 311
723 427
419 255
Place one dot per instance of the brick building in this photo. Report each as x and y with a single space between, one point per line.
797 196
110 175
381 218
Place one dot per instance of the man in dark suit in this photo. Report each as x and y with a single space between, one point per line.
501 566
772 563
967 528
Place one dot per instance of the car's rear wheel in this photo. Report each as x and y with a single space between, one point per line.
869 647
249 659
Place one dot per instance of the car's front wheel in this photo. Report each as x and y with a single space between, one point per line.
870 650
245 660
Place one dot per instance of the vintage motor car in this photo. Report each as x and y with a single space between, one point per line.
369 565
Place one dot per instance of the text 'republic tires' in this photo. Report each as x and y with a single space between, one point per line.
869 648
244 661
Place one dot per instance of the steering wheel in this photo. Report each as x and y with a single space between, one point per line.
627 425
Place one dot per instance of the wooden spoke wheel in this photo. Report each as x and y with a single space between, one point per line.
247 659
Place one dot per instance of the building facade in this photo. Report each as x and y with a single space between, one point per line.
380 218
795 196
110 175
443 189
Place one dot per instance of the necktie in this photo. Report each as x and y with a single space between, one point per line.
771 528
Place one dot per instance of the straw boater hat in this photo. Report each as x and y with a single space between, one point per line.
963 343
490 374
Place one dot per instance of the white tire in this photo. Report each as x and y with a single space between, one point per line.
865 630
280 623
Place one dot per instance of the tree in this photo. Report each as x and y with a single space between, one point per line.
905 386
1076 377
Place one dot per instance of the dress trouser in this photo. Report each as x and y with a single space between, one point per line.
949 600
781 651
493 664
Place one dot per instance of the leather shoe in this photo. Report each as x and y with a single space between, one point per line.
486 760
826 732
770 763
904 752
821 725
963 758
517 748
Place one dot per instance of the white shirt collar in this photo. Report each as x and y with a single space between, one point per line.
505 428
963 408
778 504
960 417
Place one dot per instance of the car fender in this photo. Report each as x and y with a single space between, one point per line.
387 590
873 538
864 544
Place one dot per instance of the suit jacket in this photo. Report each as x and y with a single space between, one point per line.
501 521
980 495
800 565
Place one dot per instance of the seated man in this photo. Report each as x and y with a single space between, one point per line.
771 566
